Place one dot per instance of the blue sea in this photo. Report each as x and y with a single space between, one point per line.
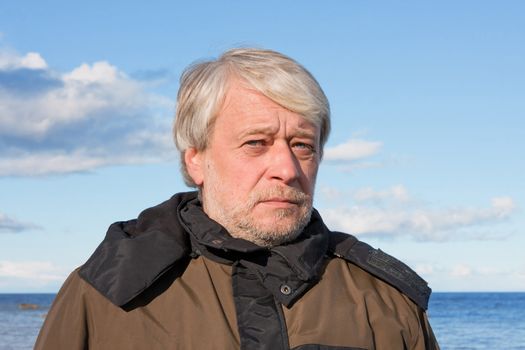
460 320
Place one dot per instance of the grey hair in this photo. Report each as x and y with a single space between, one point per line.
203 87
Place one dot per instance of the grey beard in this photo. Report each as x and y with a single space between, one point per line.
246 229
240 223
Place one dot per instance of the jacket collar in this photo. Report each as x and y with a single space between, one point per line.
296 265
135 253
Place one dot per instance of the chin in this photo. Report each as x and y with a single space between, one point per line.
277 223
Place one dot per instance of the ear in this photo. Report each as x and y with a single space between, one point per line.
194 161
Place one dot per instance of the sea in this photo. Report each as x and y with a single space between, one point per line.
459 320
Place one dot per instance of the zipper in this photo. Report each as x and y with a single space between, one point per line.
283 328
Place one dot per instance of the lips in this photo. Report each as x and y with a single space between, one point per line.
279 197
281 200
279 204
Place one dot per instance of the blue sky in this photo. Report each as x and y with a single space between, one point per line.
425 159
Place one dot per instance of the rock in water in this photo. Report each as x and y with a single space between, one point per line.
28 306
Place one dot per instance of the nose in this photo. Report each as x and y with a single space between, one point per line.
284 165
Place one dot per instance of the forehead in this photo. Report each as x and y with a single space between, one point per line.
244 107
242 98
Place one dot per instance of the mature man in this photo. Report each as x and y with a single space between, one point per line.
245 262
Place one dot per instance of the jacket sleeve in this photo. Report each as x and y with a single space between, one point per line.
425 339
66 325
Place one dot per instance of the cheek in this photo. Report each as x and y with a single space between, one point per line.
237 173
310 175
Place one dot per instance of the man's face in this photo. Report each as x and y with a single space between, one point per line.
257 174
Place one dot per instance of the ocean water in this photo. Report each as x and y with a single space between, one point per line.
460 320
478 320
19 327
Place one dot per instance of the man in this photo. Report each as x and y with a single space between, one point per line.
245 262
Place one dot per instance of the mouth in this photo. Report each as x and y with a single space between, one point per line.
279 202
280 198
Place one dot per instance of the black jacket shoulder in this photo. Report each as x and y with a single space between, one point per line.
135 253
383 266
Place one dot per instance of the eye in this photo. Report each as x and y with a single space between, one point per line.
255 143
303 147
255 146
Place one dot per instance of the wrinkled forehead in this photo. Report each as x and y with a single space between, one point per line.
247 108
242 96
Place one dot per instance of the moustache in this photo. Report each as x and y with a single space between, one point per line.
289 194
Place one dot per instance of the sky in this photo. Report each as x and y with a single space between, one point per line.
425 160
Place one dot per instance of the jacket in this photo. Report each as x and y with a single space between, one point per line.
174 279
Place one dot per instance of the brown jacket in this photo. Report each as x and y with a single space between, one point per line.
325 291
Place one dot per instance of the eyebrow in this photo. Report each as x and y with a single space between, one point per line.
269 130
266 130
305 134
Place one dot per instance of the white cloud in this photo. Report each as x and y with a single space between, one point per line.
504 205
388 214
51 163
520 275
99 72
424 269
331 193
397 193
359 165
87 93
469 276
33 60
11 225
92 116
352 150
10 60
461 271
34 271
